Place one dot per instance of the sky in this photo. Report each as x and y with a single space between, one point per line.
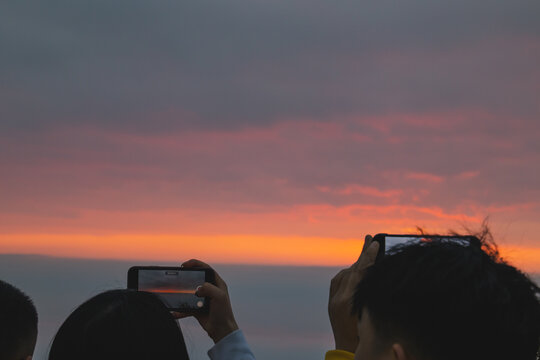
257 132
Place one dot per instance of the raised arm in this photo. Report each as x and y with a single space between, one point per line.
344 324
219 322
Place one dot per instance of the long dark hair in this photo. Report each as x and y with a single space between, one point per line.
120 324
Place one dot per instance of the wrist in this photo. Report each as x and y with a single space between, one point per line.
346 344
224 331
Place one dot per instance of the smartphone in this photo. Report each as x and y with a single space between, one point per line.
387 241
175 286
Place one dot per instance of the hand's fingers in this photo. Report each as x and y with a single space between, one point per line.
200 264
368 238
337 280
367 242
345 273
220 283
368 257
195 263
209 291
179 315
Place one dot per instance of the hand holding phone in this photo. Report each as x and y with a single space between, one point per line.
387 241
219 321
175 286
342 287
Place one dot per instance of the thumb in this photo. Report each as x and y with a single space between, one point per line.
208 290
179 315
368 257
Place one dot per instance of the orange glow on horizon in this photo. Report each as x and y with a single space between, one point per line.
231 249
240 249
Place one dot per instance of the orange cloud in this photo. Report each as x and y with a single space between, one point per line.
466 175
310 220
242 249
246 249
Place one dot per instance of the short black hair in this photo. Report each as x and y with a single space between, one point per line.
120 325
18 322
445 300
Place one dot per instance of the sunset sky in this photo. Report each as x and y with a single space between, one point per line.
266 132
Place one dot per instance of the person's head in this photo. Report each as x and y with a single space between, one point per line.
120 324
18 324
443 300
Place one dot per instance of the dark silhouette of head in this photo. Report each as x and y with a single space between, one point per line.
18 323
120 325
443 300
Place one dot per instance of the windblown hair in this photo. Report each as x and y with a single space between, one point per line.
120 325
445 300
18 323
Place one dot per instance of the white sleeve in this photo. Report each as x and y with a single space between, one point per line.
231 347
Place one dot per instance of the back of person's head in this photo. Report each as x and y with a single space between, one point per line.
120 324
18 323
444 299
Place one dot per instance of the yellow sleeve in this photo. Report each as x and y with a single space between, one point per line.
339 355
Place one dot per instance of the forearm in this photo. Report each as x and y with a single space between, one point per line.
231 347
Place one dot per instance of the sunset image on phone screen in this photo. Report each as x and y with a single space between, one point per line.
175 288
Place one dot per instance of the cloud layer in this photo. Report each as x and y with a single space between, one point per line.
284 119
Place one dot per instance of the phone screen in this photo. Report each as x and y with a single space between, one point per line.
391 240
175 287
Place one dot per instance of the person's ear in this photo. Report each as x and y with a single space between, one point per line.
29 357
398 352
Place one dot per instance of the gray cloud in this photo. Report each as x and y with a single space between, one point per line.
250 107
454 161
141 66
